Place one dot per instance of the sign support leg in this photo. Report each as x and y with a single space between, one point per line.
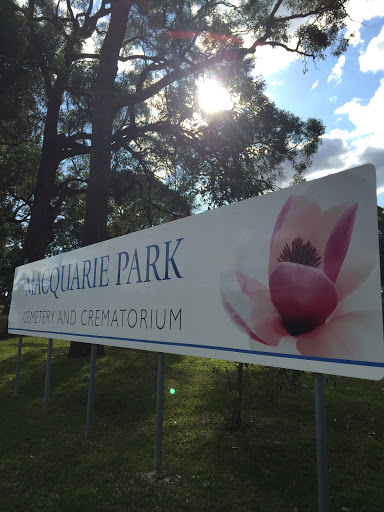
47 376
321 443
91 387
18 366
159 412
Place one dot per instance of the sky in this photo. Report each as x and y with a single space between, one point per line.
346 93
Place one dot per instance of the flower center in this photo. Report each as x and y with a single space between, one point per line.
299 252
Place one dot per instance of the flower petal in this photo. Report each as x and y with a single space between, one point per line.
342 338
248 303
351 277
303 296
299 217
280 219
338 243
239 321
329 219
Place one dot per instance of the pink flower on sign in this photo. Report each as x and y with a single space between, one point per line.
308 284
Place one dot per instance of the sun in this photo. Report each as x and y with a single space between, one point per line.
213 97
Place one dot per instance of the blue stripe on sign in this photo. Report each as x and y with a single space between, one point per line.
210 347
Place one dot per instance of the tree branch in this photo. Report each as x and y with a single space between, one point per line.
90 22
288 49
68 181
139 157
77 136
81 56
73 19
40 57
271 21
133 132
139 56
178 74
53 21
76 150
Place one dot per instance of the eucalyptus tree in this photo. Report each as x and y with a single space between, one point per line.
20 135
151 108
148 111
56 33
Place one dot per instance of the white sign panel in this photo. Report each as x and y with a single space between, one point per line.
289 279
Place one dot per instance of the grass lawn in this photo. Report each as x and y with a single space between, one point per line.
47 465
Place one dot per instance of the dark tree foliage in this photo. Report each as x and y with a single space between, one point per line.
89 107
19 80
169 46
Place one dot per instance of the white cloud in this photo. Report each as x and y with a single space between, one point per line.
373 57
365 117
269 60
362 144
337 71
331 155
337 155
315 84
360 11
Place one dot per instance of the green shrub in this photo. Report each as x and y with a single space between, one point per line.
3 325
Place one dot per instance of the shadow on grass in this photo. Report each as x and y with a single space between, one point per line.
268 466
275 453
257 468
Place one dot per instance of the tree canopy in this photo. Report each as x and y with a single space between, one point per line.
104 132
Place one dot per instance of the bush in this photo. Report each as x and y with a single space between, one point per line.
3 325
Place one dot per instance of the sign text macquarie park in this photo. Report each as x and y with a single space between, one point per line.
153 263
288 279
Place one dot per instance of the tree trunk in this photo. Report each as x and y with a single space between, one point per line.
40 229
96 215
236 416
95 224
77 349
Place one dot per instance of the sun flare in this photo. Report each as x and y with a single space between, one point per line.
213 97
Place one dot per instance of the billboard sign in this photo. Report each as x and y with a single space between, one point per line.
289 279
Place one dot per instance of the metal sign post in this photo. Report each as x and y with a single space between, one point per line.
47 376
91 387
159 412
18 365
321 443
